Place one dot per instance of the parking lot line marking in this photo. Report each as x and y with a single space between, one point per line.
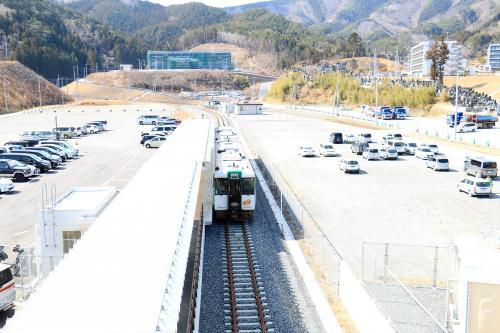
122 168
21 233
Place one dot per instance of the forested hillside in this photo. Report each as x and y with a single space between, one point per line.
51 39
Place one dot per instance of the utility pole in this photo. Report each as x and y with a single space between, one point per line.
455 121
376 78
6 46
336 99
5 95
39 92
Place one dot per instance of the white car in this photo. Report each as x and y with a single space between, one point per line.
410 148
371 154
306 151
434 148
91 129
466 127
349 166
6 185
155 142
388 153
327 150
438 163
475 186
350 138
424 153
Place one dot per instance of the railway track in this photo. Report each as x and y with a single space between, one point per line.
245 303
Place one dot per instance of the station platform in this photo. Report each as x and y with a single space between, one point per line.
127 273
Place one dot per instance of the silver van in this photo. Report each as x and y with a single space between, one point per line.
148 120
480 167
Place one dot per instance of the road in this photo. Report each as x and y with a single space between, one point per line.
109 158
390 201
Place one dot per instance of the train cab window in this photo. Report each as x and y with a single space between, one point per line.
5 276
220 186
248 186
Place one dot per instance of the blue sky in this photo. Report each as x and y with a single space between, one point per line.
214 3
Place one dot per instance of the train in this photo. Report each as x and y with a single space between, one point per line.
234 184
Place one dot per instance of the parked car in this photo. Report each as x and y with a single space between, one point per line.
480 167
167 129
155 142
365 137
424 153
327 150
91 128
371 154
398 145
97 124
307 151
387 137
23 143
54 160
388 153
148 137
148 120
349 166
410 148
30 159
16 170
350 138
37 135
336 137
104 124
434 148
82 130
475 186
163 122
70 151
438 163
466 127
6 185
51 150
397 136
358 147
64 132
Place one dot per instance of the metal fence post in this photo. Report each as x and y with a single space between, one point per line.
363 262
435 272
386 261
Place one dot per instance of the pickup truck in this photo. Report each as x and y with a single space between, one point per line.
384 113
399 113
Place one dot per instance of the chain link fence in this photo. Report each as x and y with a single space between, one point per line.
409 282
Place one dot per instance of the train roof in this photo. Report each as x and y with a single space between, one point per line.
234 164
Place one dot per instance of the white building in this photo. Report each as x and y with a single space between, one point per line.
420 66
493 57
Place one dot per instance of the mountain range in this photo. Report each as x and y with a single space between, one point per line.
415 20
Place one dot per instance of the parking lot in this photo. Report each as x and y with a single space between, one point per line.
389 201
108 158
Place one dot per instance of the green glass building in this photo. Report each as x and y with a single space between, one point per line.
169 60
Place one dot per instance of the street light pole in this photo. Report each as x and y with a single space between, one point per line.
455 121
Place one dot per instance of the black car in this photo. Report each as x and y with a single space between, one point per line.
52 151
358 147
336 138
30 159
42 154
14 169
23 143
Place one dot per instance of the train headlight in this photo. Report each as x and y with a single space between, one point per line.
247 202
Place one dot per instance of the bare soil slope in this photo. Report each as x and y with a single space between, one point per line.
488 84
20 84
244 59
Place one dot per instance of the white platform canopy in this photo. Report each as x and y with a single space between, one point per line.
115 278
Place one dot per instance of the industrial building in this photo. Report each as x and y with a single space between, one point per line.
171 60
493 57
420 66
